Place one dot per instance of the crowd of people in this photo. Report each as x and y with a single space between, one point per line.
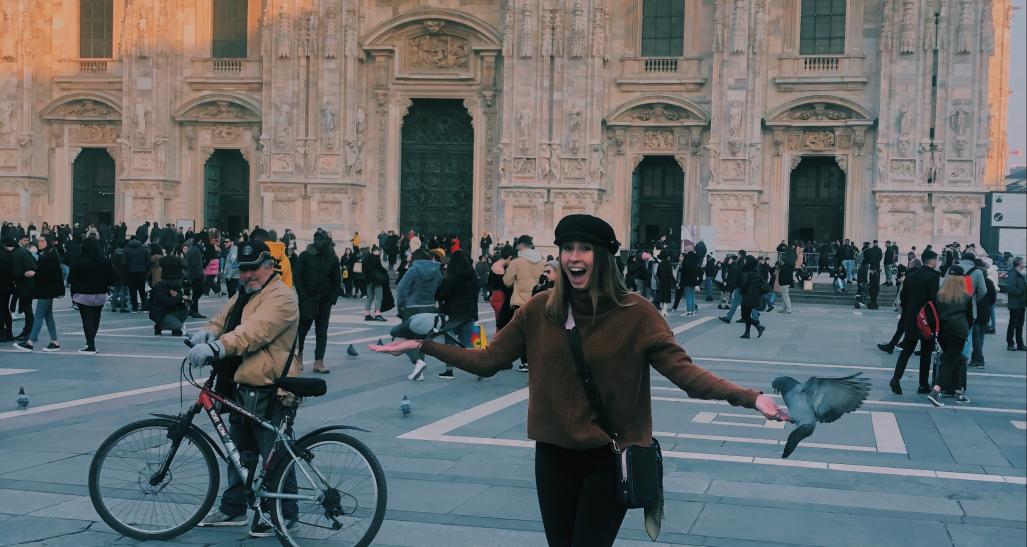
164 271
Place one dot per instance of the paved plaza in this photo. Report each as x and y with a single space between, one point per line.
460 470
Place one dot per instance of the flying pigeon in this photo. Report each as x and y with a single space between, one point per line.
819 400
419 326
405 405
380 342
23 399
352 352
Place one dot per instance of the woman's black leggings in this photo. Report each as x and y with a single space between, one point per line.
952 375
90 322
577 495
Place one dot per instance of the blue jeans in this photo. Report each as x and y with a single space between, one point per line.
839 284
707 287
850 269
119 298
690 298
463 333
44 310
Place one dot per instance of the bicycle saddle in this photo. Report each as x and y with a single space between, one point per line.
303 387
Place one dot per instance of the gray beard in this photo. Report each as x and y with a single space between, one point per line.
251 291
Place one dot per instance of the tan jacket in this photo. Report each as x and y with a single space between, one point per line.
522 275
265 335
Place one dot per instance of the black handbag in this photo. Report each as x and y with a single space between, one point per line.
639 468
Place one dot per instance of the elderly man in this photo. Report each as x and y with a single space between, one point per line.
255 332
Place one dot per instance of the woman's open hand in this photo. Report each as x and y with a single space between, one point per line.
770 410
398 346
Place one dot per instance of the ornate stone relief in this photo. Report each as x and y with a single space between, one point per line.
964 28
85 109
284 33
577 40
718 25
87 134
573 168
734 169
525 167
658 112
433 51
600 32
226 134
527 44
960 170
282 163
819 112
908 37
905 169
818 140
328 164
331 33
658 139
350 28
740 28
328 123
223 110
307 35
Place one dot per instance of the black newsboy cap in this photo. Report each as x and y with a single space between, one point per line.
252 253
587 228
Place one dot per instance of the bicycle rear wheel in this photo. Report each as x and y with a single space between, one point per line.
121 472
350 508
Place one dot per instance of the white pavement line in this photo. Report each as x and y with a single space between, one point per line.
887 436
1019 424
13 371
383 337
91 400
704 417
102 354
827 365
691 324
460 419
867 402
343 331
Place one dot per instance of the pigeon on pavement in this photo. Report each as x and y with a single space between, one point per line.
405 405
819 400
352 352
23 399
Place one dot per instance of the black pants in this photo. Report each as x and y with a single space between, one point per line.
7 322
747 318
952 372
137 287
347 286
875 287
899 329
25 306
1015 328
232 285
577 496
90 322
908 346
197 288
320 320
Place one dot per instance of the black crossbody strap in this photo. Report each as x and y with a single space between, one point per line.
585 373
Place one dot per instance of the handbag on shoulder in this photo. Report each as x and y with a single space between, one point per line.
639 468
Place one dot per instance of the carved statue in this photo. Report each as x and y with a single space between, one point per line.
548 22
524 127
712 161
740 31
545 161
350 25
328 118
504 162
25 143
331 42
886 26
9 37
139 119
508 30
908 38
599 33
756 151
284 34
361 121
574 129
905 120
599 161
282 122
964 30
760 34
160 149
577 31
959 119
718 25
527 45
143 35
351 157
988 31
125 146
882 163
932 163
735 120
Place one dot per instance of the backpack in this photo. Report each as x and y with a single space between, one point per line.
927 321
968 283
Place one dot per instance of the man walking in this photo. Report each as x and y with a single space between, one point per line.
785 276
920 287
6 288
891 258
23 269
872 257
194 271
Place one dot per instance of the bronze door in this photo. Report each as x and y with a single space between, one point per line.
93 188
816 207
437 164
226 192
658 190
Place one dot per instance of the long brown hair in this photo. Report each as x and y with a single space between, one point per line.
953 291
607 282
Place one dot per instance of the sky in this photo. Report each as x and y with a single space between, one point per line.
1017 129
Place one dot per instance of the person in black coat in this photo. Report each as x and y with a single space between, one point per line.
91 277
168 309
23 269
6 288
458 300
920 287
750 289
376 278
955 317
47 285
664 282
317 280
194 274
873 257
137 264
688 279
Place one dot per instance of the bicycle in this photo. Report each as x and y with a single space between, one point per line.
154 479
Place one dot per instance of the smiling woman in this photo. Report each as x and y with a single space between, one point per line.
619 336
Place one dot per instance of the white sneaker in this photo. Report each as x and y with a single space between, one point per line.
418 372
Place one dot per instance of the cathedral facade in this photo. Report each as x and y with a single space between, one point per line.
757 120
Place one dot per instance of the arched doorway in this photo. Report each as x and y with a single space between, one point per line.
226 186
436 190
816 205
93 188
657 201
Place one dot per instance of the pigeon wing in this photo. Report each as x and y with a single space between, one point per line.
831 398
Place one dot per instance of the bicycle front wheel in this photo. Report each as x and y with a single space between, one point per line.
349 485
124 468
